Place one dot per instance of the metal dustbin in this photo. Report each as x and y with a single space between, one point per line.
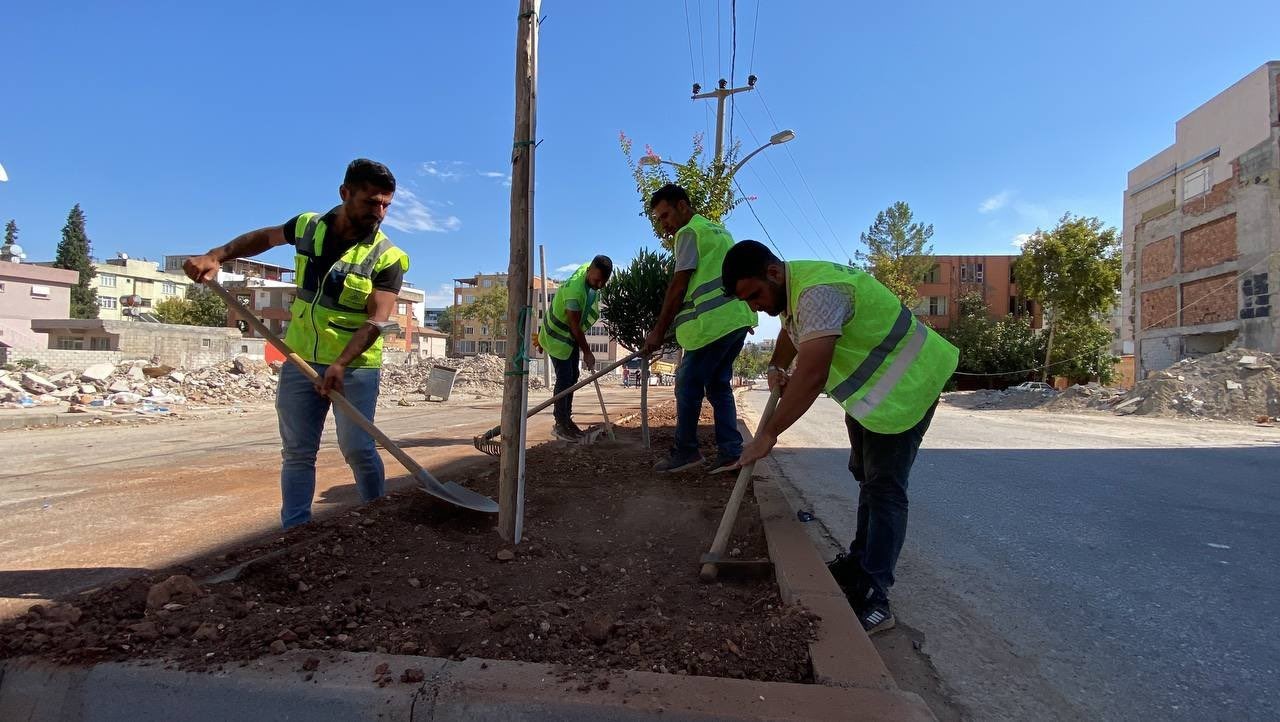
440 382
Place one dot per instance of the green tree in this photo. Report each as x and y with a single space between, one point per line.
205 307
175 310
632 300
11 232
445 322
1083 351
1002 349
710 189
1073 272
899 253
74 255
490 309
971 334
751 361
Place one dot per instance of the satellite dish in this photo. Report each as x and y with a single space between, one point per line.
3 176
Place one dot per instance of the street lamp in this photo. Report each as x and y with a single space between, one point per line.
3 176
782 136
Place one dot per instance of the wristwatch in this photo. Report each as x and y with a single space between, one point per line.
773 368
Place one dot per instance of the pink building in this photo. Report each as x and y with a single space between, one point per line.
28 292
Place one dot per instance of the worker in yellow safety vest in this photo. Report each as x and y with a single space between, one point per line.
709 326
563 334
348 275
853 338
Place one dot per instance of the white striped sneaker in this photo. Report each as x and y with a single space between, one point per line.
876 617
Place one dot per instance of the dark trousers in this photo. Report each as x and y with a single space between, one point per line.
708 372
566 376
881 463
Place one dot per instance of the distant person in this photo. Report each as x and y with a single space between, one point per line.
348 275
710 327
852 338
574 310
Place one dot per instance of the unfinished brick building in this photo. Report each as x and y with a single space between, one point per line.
1202 231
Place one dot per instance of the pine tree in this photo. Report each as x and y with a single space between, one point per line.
11 232
74 255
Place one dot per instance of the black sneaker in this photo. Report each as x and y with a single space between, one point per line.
565 433
673 463
854 582
876 617
574 428
723 464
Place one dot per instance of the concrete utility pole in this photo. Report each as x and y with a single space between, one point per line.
515 388
721 94
542 268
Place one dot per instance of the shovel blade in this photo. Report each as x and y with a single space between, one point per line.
456 494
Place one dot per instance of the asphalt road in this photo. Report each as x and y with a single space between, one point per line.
1071 566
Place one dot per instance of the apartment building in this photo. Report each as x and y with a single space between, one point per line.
271 301
29 292
956 276
1202 231
128 287
239 269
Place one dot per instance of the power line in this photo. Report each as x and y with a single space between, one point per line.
835 237
719 50
755 28
791 195
752 208
702 41
733 63
688 33
799 234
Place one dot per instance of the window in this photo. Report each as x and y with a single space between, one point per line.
1013 305
169 288
599 347
487 283
70 343
1196 183
1 286
965 273
243 298
402 308
500 347
100 343
469 330
466 347
468 299
206 343
107 302
145 303
977 275
484 330
39 291
106 280
934 275
1257 296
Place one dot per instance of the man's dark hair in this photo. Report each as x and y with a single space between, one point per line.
364 172
671 193
604 263
747 259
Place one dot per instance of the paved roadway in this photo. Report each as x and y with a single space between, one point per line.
1071 566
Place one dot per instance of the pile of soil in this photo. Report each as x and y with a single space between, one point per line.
607 578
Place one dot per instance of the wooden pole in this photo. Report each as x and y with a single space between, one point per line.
546 360
644 401
515 388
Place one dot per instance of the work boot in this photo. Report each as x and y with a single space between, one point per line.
573 428
674 463
566 433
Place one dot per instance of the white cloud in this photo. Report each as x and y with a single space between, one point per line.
410 215
442 296
493 174
995 202
1021 239
568 268
442 169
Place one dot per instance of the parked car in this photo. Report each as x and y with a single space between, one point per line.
1038 387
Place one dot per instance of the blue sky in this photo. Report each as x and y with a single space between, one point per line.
178 127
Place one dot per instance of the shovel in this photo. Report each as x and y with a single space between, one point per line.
713 562
451 492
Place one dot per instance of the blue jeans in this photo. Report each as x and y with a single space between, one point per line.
566 376
881 464
708 372
302 411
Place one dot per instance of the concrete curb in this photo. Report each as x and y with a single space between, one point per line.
344 688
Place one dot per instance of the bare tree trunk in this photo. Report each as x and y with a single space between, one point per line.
1048 352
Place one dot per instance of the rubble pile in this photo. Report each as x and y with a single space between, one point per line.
140 385
1090 396
1234 385
481 375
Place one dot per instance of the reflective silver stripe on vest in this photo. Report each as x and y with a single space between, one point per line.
704 307
553 333
308 237
864 406
365 267
875 359
715 284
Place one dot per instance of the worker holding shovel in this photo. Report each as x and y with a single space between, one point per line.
574 310
349 275
851 337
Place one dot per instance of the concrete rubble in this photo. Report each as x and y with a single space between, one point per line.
481 375
139 386
1236 385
